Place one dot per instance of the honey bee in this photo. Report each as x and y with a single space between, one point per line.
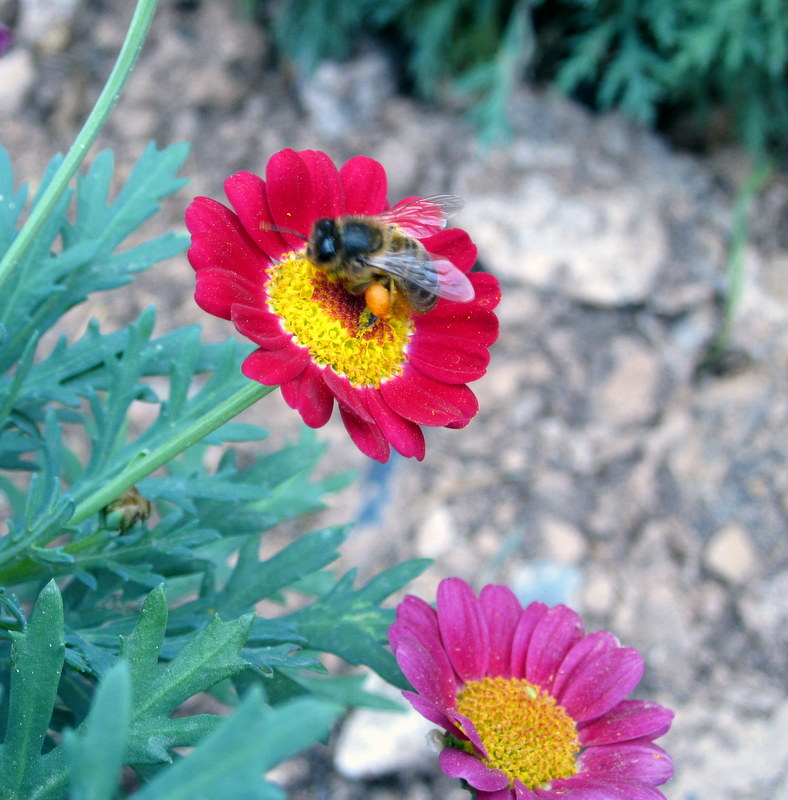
380 257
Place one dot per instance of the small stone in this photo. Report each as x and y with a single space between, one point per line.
17 73
563 541
374 743
730 554
437 534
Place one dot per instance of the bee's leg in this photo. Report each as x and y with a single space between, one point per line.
367 319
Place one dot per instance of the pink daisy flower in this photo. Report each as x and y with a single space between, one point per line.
318 340
533 707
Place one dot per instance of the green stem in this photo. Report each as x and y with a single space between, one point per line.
138 29
146 463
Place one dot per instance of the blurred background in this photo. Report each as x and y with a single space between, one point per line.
623 165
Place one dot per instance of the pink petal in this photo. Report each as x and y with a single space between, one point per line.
630 719
522 636
460 361
522 792
500 794
405 436
463 629
501 611
457 764
274 367
428 670
309 395
469 732
600 683
326 184
217 291
365 186
415 618
427 402
434 713
247 194
588 647
453 244
261 326
365 435
641 761
291 196
219 241
553 635
580 787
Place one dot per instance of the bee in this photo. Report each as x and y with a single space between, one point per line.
380 257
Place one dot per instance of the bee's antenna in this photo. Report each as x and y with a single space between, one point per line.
267 226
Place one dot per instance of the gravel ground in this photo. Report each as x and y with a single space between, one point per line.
604 468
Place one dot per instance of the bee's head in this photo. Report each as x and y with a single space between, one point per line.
324 242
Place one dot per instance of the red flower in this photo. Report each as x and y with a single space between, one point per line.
534 708
315 338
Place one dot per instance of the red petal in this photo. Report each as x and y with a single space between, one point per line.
405 436
326 185
433 712
246 192
367 437
462 628
365 186
218 290
291 196
453 244
427 402
349 396
309 395
462 320
261 326
457 361
501 611
487 288
220 241
274 367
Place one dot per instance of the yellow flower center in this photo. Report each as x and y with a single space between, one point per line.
332 324
528 736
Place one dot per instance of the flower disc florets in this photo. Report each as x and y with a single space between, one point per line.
389 376
532 706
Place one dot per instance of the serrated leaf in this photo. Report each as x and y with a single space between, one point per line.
229 763
141 647
209 657
95 754
350 623
36 664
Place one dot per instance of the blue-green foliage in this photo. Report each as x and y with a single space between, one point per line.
104 632
641 56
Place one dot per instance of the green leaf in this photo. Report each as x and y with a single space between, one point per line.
141 647
229 763
36 664
95 754
350 623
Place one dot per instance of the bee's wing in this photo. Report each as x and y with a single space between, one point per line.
452 283
423 216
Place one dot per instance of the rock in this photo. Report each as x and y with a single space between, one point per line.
730 554
375 743
17 73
